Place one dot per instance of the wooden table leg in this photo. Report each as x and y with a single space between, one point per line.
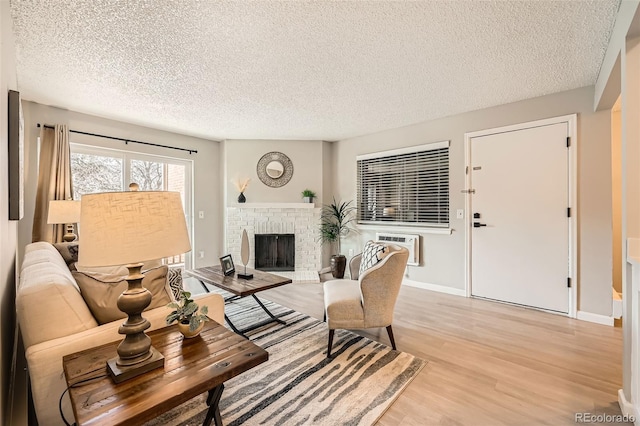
213 413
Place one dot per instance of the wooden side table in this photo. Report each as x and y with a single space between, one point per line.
192 367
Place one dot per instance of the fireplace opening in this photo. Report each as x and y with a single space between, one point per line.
275 252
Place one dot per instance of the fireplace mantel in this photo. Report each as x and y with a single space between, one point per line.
273 205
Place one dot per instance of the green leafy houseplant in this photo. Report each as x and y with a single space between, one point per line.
335 221
186 312
308 193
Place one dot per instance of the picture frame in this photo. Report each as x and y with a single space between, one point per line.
226 262
16 156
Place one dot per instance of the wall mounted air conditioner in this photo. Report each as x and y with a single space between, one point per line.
411 242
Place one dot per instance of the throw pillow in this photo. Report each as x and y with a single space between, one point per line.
68 251
107 273
175 282
101 296
372 254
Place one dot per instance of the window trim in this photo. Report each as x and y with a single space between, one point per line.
437 227
127 156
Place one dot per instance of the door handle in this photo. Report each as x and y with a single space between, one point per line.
478 224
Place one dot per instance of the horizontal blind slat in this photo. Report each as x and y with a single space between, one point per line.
405 188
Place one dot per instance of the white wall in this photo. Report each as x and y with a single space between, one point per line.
630 225
206 173
242 156
8 229
595 221
618 76
328 174
444 255
616 202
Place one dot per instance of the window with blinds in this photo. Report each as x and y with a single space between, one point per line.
408 186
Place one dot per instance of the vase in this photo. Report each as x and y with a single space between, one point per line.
338 265
187 333
242 198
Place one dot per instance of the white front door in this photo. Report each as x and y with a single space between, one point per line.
519 241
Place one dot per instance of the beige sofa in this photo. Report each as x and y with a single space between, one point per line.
55 321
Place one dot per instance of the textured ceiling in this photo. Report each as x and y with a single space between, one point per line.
301 69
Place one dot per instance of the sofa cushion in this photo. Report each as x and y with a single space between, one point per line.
44 252
372 254
102 296
48 302
107 273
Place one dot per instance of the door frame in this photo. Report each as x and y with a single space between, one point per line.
572 131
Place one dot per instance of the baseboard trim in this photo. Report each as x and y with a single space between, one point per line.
597 318
625 406
435 287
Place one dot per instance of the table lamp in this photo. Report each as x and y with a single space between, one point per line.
65 212
128 228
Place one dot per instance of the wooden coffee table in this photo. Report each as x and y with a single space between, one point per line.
240 287
192 367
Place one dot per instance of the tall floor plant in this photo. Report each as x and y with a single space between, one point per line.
335 223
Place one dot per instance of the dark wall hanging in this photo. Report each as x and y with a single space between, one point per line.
275 169
16 157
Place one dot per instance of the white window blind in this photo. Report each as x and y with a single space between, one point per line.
408 186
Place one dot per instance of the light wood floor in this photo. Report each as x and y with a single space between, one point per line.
490 363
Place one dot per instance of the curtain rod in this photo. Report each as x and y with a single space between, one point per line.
126 141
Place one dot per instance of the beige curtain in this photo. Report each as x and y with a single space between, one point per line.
54 181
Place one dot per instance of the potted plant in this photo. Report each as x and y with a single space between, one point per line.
308 195
335 223
185 312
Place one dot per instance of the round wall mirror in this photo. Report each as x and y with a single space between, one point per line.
275 169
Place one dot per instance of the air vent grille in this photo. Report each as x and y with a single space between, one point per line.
410 242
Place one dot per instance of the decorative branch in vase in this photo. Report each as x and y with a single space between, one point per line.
241 186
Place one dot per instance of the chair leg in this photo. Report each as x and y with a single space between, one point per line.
330 343
390 333
324 318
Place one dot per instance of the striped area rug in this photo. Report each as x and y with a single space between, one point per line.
298 385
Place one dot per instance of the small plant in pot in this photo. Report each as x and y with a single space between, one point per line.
308 196
335 223
185 312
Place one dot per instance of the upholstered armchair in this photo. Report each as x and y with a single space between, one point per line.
366 300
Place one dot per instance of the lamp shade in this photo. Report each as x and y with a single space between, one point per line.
63 211
129 227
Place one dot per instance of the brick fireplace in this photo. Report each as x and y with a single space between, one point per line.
300 219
